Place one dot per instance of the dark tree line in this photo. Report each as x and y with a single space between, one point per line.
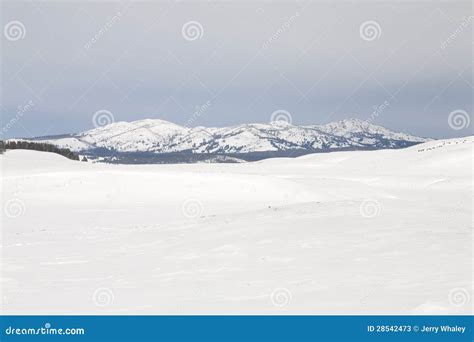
37 146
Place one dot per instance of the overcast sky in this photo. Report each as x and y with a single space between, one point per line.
403 65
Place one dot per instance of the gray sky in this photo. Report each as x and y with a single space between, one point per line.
249 59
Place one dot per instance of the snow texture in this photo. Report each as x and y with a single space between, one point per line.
368 232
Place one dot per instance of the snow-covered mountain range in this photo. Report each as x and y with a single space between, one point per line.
159 136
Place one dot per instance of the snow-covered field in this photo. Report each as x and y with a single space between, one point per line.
379 232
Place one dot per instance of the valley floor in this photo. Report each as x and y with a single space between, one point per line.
376 232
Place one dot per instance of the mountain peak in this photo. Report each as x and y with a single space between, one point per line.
124 127
353 122
148 123
356 121
160 136
152 122
280 123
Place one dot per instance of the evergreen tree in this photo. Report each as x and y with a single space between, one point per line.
38 146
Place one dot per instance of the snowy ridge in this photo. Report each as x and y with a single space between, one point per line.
159 136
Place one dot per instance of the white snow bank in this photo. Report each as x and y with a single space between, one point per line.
379 232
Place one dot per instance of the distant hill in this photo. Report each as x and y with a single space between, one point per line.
159 141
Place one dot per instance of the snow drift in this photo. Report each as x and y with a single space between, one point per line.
376 232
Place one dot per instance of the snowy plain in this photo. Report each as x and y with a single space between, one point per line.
374 232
